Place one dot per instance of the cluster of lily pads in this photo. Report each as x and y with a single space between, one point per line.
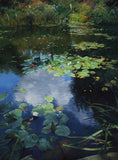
63 64
88 45
80 67
76 66
18 132
36 63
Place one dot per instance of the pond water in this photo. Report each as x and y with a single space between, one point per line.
68 112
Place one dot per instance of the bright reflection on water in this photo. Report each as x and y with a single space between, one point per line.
7 82
40 84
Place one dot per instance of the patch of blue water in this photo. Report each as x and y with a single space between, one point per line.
7 82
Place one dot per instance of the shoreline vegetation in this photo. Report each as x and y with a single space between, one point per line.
54 12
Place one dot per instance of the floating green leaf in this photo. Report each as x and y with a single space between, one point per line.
49 123
84 73
23 134
88 45
3 96
46 129
22 105
47 108
62 130
49 118
30 140
16 113
63 119
44 109
22 90
48 99
25 125
38 109
5 107
15 123
11 131
44 144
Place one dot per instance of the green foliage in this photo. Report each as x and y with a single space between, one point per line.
38 13
49 99
49 119
32 15
30 140
62 130
49 123
88 45
63 119
3 96
16 113
44 144
53 121
19 134
22 105
98 12
22 90
81 66
39 63
5 107
74 18
104 15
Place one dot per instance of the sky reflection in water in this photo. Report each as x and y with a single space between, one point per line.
40 84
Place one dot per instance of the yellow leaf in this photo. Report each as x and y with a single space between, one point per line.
54 110
60 108
97 78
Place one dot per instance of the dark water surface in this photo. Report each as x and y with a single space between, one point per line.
17 45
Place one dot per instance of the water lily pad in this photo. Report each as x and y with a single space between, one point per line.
38 109
49 119
30 140
23 134
44 109
25 125
22 105
11 131
15 123
62 130
77 66
47 108
3 96
22 90
44 144
5 107
88 45
16 113
48 99
46 129
63 119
